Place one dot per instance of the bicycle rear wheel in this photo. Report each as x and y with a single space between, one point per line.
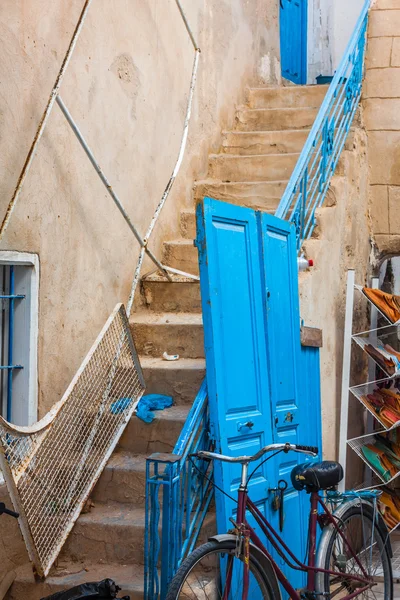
204 573
368 544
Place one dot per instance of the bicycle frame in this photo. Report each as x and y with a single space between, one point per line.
249 535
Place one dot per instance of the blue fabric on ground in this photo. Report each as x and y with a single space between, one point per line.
152 402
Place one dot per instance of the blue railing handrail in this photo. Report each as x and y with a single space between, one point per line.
186 435
178 496
339 81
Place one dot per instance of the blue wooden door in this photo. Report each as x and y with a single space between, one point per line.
293 38
254 359
289 414
231 281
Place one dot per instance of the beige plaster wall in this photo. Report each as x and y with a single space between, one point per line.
381 100
340 242
126 87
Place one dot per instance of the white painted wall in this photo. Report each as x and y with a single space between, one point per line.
330 25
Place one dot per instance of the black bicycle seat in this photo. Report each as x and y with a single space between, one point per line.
316 476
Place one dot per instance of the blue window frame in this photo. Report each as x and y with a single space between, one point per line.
8 366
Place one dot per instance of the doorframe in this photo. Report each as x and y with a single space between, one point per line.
304 45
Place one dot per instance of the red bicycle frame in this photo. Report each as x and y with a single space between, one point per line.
248 533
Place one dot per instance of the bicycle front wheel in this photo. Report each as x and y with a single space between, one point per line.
368 553
206 573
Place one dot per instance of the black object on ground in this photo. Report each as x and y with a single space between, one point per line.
101 590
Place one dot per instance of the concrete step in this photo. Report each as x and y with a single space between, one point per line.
68 575
174 333
180 379
159 436
114 533
123 480
181 254
268 167
264 195
182 295
109 533
273 119
264 142
188 224
287 97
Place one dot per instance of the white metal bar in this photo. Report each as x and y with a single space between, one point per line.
44 119
344 408
105 180
188 29
181 149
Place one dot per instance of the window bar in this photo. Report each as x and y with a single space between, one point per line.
9 367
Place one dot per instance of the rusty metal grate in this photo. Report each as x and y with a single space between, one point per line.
51 467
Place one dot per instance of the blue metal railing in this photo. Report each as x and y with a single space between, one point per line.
177 499
311 177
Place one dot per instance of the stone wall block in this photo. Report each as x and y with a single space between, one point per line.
382 83
378 53
394 209
382 114
384 23
384 153
395 59
379 206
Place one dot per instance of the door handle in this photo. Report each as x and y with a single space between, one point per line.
247 425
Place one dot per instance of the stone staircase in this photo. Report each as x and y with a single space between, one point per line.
252 169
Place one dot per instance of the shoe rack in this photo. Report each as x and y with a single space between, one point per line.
379 399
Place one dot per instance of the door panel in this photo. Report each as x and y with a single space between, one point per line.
234 337
283 335
293 38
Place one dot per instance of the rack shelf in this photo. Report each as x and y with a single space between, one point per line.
382 345
361 392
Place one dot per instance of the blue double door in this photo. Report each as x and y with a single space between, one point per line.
293 40
248 273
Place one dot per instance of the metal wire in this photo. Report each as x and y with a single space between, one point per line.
50 471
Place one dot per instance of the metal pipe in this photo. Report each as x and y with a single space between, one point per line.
181 149
188 29
105 181
44 119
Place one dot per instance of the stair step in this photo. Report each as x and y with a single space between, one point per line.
264 142
109 533
180 379
174 333
287 97
159 436
264 195
68 575
181 295
181 254
188 224
123 480
273 119
228 167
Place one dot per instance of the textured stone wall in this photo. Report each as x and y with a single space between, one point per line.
381 102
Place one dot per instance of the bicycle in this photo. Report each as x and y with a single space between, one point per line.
353 557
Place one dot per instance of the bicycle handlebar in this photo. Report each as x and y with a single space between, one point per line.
311 450
7 511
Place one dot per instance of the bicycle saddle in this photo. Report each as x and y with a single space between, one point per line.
316 476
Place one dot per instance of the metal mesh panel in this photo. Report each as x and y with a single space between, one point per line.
50 470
